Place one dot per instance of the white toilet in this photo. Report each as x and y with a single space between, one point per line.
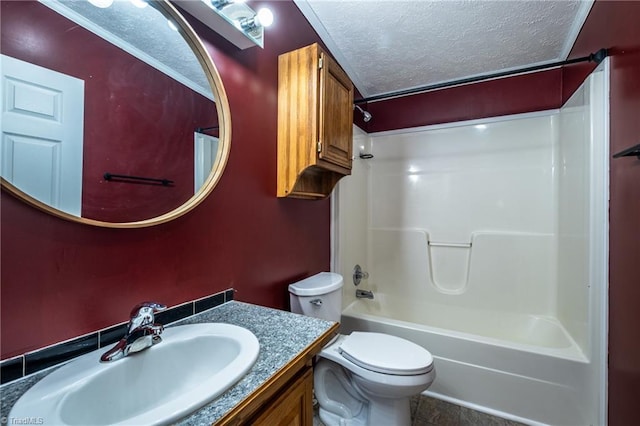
363 378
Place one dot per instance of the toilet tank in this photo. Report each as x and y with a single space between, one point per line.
318 296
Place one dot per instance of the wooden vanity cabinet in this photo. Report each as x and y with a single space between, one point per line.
315 117
293 406
286 398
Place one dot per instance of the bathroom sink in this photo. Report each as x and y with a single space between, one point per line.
190 367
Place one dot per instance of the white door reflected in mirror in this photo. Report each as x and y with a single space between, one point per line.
42 133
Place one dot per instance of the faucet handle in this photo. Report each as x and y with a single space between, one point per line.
142 314
155 307
359 274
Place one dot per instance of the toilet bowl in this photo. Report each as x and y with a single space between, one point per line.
357 386
363 378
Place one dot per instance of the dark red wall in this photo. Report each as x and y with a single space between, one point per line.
513 95
616 25
61 279
129 108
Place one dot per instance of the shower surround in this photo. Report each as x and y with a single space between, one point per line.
486 243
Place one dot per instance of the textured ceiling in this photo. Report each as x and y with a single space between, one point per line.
391 45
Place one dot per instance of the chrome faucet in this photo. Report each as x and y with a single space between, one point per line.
142 332
364 294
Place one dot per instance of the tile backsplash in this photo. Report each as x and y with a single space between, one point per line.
32 362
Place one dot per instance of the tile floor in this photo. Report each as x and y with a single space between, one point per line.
427 411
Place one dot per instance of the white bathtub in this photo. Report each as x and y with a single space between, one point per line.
517 366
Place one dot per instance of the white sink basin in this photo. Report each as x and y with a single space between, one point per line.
190 367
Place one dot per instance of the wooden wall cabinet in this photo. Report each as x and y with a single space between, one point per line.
315 116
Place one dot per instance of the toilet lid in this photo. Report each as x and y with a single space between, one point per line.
386 354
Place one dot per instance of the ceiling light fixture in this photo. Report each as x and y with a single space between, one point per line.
219 4
102 4
172 25
264 18
232 19
141 4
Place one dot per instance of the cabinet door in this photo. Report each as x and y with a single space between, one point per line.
336 114
293 407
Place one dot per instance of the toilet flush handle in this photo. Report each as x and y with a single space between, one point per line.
316 302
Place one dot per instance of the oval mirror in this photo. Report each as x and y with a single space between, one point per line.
112 116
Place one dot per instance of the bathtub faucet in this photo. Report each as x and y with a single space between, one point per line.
364 294
142 332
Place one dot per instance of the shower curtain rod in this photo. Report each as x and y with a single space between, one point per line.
594 57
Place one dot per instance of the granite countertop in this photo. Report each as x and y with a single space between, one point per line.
282 336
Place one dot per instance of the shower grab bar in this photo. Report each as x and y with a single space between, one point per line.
460 245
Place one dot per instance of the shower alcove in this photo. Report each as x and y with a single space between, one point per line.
485 242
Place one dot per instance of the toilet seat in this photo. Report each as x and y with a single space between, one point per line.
333 353
386 354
